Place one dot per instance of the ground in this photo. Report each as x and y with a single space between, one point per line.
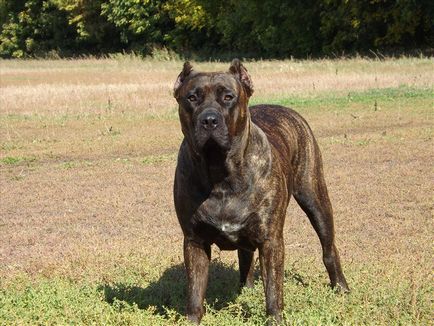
88 232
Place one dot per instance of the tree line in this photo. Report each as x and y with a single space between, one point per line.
207 28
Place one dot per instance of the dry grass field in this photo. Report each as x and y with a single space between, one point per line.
88 232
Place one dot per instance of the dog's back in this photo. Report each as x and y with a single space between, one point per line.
292 139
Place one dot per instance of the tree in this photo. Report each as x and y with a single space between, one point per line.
35 29
349 25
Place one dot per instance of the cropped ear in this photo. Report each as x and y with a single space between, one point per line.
241 73
186 70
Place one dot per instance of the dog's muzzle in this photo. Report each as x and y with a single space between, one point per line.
211 125
209 119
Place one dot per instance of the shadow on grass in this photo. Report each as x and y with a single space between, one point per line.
169 291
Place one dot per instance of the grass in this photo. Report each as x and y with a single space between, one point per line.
88 232
11 160
161 301
367 97
52 135
154 159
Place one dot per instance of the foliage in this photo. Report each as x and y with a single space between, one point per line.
362 25
35 29
193 29
93 29
141 22
269 28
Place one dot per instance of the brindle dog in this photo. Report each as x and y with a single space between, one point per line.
237 169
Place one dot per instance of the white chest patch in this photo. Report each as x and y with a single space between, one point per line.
230 227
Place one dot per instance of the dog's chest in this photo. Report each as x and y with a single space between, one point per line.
227 221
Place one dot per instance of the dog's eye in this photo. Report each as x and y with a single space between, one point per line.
192 98
228 97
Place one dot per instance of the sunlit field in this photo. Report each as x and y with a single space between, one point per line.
88 231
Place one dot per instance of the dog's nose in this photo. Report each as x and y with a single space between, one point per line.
210 121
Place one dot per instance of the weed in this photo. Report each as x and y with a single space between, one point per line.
11 160
153 159
68 165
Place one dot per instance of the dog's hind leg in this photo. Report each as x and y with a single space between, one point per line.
310 192
247 266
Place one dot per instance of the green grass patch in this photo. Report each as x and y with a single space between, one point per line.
379 296
372 96
11 160
69 165
74 164
155 159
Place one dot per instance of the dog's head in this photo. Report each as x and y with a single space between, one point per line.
213 106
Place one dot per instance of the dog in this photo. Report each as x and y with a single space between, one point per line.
237 169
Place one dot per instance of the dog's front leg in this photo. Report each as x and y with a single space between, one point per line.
271 256
196 257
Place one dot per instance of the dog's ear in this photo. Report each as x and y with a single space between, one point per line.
186 70
241 73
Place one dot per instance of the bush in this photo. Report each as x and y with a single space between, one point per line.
267 29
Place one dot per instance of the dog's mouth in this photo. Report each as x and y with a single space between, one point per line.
212 141
215 158
215 142
214 151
